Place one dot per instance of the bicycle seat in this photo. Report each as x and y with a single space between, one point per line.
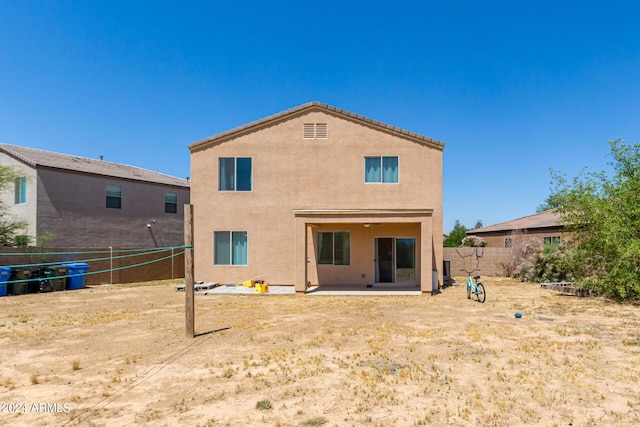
476 277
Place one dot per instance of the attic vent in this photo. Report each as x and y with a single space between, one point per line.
315 131
321 130
309 131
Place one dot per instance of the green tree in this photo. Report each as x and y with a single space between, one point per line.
551 202
603 214
12 229
454 239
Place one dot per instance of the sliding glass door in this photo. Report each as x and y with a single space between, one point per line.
395 260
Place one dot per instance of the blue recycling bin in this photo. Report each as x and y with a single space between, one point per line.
77 271
5 272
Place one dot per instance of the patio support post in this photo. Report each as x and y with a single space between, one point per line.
426 255
300 266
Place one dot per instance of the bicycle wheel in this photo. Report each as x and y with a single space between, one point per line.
480 292
468 291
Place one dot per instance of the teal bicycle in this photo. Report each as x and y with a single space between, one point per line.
474 286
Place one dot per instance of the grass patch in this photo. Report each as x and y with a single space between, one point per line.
104 316
166 282
316 421
635 342
263 404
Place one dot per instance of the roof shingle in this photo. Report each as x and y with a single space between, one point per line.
544 219
35 158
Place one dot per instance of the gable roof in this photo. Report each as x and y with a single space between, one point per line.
310 106
40 158
544 219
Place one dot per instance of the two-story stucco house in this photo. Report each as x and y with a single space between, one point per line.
318 195
72 201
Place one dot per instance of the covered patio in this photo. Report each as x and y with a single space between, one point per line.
362 250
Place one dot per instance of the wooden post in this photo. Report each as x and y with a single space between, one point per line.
188 271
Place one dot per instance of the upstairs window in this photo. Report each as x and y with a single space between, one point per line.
381 169
234 174
334 248
171 202
21 190
314 131
114 196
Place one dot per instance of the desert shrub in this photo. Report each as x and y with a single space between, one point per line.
602 212
263 404
507 268
545 263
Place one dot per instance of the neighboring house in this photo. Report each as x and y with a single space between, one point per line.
72 201
318 195
544 227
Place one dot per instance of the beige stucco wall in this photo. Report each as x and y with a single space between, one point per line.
291 173
26 211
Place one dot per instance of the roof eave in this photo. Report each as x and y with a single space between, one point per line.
185 184
304 108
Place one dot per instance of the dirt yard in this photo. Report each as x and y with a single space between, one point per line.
118 355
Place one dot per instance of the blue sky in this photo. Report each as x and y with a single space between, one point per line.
512 88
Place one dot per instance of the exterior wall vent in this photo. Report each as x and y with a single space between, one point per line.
321 131
315 131
309 131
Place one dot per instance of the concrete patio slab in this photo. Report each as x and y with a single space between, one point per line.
343 290
241 290
364 290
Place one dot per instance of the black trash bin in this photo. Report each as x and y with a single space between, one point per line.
39 281
19 281
446 268
51 278
59 277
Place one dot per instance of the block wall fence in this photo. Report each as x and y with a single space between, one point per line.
492 262
133 267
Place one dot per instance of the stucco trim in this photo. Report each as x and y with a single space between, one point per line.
363 212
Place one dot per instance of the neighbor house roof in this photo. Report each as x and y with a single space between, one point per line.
40 158
544 219
310 106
